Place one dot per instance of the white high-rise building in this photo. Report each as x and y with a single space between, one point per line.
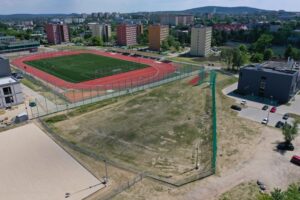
97 29
201 41
101 30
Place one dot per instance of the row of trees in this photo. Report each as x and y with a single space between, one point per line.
257 52
280 37
20 34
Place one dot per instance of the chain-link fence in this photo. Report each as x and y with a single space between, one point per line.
50 99
204 153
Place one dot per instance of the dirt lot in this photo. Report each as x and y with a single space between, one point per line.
246 154
158 130
237 138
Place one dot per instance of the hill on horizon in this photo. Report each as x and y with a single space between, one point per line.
225 10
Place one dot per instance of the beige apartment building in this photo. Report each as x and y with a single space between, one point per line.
201 41
157 33
100 30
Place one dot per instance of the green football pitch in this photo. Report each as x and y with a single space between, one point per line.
84 67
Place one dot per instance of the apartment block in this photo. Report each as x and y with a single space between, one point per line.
100 30
175 20
57 33
157 33
126 34
201 41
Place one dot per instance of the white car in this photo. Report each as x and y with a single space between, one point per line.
265 121
244 102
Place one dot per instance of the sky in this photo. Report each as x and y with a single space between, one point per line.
88 6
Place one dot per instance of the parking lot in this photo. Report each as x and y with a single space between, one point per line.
258 115
253 110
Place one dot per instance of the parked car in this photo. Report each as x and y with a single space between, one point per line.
285 146
296 160
265 107
286 117
244 102
273 110
235 107
279 124
265 121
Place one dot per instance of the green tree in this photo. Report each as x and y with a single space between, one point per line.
96 41
277 194
177 45
263 42
268 54
165 45
227 55
292 53
292 192
239 58
264 197
171 40
243 48
290 132
257 57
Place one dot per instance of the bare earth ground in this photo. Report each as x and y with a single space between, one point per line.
246 154
246 150
157 131
33 167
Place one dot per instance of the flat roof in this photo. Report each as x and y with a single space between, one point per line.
275 67
34 167
7 80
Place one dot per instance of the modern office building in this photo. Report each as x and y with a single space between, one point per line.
126 35
11 44
57 33
10 88
157 33
201 41
175 20
278 81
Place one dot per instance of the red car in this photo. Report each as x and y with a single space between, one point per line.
296 160
273 110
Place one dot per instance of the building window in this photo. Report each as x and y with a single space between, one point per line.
262 85
9 100
7 90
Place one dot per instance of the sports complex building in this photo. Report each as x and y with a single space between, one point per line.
10 44
278 81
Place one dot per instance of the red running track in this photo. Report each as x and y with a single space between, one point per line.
155 72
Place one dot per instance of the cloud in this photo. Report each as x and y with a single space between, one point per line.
69 6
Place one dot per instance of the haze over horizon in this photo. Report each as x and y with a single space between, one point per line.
88 6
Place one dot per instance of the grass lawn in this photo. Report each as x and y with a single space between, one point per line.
84 67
